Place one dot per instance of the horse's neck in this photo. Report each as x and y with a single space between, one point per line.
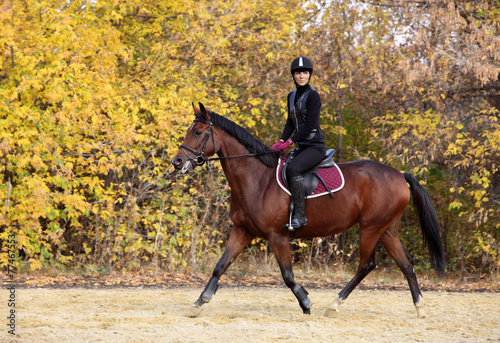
245 174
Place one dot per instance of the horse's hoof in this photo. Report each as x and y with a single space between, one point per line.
308 304
420 313
331 313
194 311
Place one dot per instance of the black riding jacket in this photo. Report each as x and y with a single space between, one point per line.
303 118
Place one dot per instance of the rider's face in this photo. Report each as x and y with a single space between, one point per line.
301 77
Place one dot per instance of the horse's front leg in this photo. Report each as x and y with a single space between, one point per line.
281 248
238 239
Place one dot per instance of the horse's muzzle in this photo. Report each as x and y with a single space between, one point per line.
180 164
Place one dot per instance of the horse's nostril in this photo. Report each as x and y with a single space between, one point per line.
177 162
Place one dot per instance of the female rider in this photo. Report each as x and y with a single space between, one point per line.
304 106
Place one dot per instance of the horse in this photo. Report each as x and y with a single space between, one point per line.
374 196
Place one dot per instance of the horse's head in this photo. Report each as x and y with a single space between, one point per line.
199 143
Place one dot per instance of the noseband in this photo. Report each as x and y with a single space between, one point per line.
200 158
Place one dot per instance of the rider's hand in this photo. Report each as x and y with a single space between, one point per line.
277 146
285 145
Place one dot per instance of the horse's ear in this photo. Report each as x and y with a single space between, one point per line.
204 112
196 109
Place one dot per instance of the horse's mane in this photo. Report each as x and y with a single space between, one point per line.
252 144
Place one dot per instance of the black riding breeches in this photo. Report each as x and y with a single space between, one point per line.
303 161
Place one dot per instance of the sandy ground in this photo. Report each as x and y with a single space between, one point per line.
247 315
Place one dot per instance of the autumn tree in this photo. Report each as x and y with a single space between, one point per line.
448 120
96 97
426 76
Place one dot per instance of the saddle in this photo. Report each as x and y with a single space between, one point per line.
311 177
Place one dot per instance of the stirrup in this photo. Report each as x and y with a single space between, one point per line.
296 224
289 225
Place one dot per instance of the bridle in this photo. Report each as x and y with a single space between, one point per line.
200 159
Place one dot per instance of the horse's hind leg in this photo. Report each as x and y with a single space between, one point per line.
281 248
392 244
238 239
367 244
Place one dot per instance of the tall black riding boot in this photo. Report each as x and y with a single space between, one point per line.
299 200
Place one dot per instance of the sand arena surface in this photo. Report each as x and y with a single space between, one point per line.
248 315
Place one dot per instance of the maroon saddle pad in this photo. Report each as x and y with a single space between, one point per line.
332 176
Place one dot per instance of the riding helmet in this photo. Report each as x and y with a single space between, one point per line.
301 63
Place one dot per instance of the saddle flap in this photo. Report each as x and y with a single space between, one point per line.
309 184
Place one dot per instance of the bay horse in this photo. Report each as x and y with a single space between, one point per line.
374 196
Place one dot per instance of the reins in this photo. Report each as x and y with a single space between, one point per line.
246 155
200 158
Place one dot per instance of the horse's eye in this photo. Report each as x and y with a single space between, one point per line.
198 132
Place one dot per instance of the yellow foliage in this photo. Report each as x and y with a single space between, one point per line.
95 100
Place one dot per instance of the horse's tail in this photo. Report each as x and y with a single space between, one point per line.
428 222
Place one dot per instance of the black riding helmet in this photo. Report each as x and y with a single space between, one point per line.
301 63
